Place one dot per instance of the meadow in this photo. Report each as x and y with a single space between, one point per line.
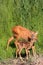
27 13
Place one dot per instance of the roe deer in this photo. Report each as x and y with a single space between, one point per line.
20 32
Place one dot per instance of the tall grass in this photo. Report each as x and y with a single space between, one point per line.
27 13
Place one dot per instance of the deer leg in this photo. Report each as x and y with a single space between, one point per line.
17 51
20 55
33 50
9 41
29 53
26 54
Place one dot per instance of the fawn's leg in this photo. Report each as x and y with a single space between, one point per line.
34 51
20 54
27 54
17 51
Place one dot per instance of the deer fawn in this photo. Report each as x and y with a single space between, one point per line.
27 45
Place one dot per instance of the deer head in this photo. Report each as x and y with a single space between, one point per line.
34 36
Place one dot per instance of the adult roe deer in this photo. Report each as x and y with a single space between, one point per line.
20 32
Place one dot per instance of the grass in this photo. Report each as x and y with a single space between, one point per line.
29 14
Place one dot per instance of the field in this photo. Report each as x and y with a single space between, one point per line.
27 13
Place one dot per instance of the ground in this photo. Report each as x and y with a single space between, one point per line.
38 60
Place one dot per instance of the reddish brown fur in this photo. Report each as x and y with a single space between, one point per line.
21 32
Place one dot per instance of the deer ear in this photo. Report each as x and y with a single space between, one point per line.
36 33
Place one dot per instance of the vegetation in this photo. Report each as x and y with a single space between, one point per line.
27 13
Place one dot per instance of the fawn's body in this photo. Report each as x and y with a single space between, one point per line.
27 45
